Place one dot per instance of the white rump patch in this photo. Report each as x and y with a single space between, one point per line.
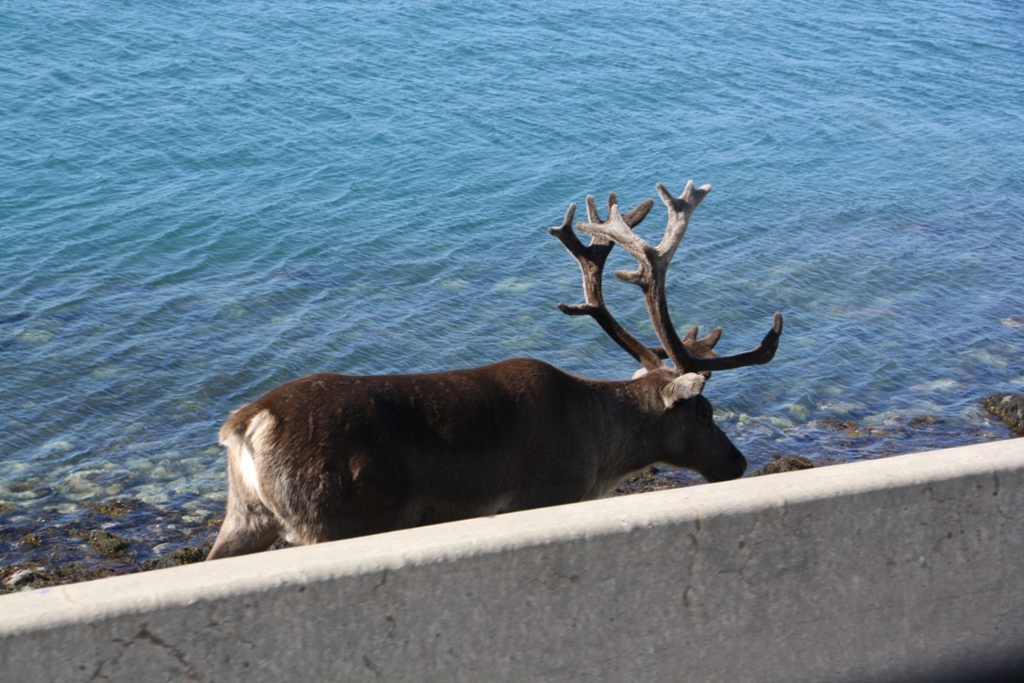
248 467
257 441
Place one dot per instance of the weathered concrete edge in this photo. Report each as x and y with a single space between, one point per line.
96 599
22 615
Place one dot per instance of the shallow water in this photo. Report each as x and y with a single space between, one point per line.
199 201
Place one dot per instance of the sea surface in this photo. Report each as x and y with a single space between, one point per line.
201 200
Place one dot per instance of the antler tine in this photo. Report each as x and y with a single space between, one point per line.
697 355
592 259
592 215
705 345
764 352
679 211
617 230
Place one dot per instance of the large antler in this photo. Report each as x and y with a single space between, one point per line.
591 259
650 277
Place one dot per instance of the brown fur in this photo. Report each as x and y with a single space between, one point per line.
348 455
334 456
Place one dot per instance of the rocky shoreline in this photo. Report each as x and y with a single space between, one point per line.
1009 408
103 540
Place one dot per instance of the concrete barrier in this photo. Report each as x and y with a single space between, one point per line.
907 568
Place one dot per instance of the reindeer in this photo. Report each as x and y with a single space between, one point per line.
332 456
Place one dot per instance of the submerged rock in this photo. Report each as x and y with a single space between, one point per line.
186 555
656 478
116 507
787 463
75 572
852 429
1009 407
106 543
29 576
31 539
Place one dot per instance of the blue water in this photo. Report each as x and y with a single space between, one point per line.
200 200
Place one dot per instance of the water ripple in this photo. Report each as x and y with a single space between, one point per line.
198 202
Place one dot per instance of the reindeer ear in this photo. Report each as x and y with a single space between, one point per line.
639 373
683 388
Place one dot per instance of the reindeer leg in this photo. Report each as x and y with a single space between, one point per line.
246 529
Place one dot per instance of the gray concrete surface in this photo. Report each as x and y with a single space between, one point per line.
906 568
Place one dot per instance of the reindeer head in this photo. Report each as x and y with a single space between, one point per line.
691 438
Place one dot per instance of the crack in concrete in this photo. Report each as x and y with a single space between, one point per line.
744 546
98 673
145 636
572 578
933 497
383 581
64 593
999 502
369 664
800 523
